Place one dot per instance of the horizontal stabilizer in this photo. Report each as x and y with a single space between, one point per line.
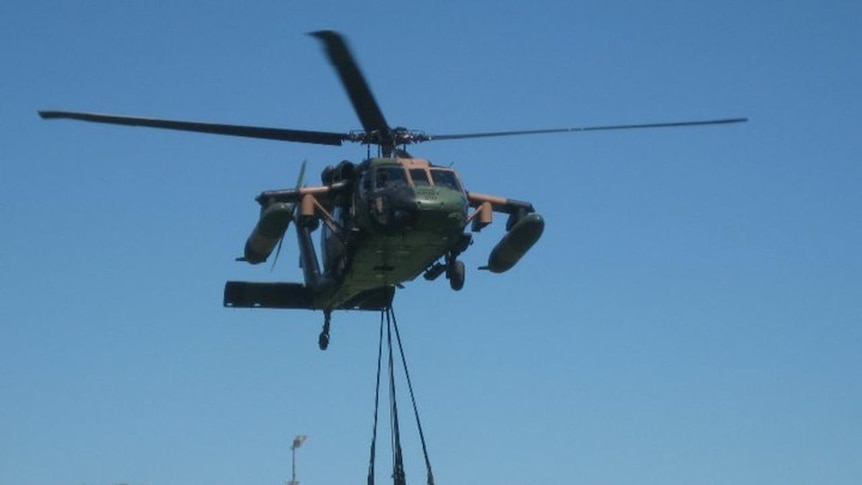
242 294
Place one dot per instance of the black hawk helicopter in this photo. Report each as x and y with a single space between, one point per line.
385 220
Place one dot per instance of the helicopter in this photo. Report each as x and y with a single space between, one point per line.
383 221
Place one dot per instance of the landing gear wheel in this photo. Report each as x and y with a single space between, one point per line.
456 274
323 339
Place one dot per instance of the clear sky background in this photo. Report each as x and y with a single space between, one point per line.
693 313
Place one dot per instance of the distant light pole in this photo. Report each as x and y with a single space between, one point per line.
297 442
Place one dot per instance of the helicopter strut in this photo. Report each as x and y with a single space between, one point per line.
454 268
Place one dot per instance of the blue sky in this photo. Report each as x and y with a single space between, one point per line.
691 315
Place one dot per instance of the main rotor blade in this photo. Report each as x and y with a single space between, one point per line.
301 136
585 128
354 82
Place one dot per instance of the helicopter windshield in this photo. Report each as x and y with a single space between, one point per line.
445 178
386 176
419 176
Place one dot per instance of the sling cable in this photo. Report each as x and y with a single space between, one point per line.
398 475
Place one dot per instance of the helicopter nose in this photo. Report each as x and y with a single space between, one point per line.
441 201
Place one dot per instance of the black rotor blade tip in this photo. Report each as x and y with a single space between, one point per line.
325 34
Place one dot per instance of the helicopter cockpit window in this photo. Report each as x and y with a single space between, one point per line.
445 178
419 176
390 175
